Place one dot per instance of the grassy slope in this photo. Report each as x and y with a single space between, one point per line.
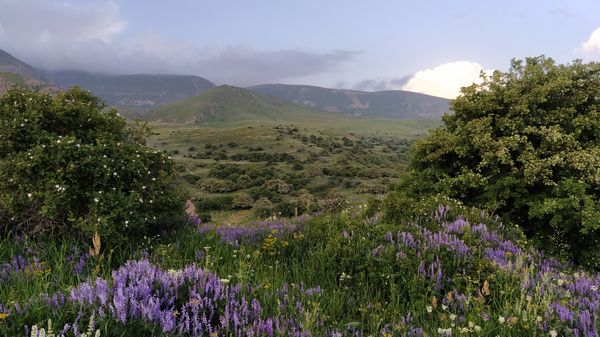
231 106
384 145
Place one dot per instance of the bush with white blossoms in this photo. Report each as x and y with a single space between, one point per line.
69 164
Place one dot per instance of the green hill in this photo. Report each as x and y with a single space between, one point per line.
387 104
134 91
16 72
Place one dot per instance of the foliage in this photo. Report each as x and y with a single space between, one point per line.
242 201
69 165
525 144
263 207
339 275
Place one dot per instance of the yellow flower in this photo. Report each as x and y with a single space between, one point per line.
3 315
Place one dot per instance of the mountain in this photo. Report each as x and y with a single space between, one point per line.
386 104
230 104
134 91
16 72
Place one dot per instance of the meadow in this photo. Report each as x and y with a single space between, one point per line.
227 168
455 272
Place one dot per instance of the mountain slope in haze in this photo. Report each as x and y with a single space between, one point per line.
231 104
386 104
16 72
134 91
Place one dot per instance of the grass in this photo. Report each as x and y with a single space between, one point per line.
336 275
357 158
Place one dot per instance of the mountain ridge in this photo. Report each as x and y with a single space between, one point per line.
136 90
388 103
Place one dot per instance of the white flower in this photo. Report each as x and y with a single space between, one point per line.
446 332
452 317
96 200
225 280
501 320
429 308
29 195
553 333
477 328
538 318
444 307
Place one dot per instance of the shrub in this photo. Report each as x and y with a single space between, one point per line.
526 144
242 201
216 185
278 186
213 203
70 165
263 207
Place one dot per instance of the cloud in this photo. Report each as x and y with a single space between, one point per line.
89 36
592 45
379 84
445 80
42 20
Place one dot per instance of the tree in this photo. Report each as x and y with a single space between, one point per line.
526 144
70 165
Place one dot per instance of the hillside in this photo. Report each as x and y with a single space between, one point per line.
227 104
134 91
16 72
387 104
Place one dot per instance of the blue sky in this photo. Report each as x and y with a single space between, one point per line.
426 46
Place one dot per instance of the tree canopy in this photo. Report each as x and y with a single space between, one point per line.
526 144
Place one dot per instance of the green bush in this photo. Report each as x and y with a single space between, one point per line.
525 144
214 203
242 201
69 165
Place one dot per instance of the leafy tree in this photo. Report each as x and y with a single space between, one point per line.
70 166
526 144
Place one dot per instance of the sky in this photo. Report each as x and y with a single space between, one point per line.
433 47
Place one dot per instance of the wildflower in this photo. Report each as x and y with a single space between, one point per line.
3 315
452 317
445 332
501 320
29 195
553 333
429 308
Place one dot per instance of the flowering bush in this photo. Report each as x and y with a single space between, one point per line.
70 165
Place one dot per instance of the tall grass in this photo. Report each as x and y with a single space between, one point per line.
327 276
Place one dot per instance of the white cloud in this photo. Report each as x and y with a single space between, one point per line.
445 80
592 45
